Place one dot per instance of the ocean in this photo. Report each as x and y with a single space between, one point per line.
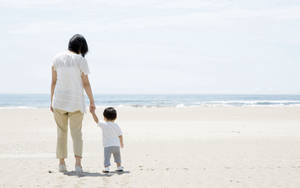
186 100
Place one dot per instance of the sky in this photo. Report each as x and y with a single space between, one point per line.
156 46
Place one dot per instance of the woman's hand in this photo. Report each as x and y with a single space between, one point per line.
92 108
51 108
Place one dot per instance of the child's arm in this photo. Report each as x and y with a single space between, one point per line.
121 141
95 117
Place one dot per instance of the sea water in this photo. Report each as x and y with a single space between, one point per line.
139 100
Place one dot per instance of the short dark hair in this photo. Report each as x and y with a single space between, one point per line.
110 113
78 45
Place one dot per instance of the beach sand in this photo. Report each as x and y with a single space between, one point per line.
213 147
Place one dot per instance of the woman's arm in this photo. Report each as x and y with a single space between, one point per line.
53 83
87 87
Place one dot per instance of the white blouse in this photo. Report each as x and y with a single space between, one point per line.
69 93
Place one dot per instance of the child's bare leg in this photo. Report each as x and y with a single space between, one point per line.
78 160
62 161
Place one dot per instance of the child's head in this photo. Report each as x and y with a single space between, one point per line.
110 114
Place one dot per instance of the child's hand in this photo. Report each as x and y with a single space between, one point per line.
95 117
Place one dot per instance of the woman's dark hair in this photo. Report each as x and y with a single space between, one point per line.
110 113
78 45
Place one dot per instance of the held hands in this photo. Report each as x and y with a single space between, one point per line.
92 108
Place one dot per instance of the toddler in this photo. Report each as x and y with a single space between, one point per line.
112 138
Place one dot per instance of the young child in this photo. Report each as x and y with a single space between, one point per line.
112 138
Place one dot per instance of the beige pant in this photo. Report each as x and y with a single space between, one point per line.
61 117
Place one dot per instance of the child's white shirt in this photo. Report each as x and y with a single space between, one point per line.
110 133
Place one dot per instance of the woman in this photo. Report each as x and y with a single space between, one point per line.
69 77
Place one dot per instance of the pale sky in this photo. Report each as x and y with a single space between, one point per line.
156 46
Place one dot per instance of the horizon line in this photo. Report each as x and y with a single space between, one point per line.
163 93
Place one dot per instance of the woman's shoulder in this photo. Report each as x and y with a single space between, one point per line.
77 57
59 56
68 57
68 54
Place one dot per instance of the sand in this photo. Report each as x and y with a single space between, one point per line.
210 147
